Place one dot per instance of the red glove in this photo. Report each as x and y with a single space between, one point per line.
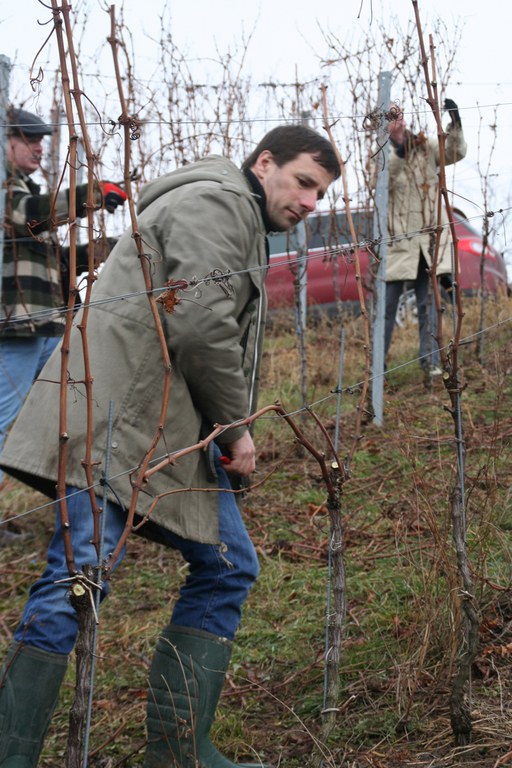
112 195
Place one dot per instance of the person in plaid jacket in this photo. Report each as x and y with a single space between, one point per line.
35 277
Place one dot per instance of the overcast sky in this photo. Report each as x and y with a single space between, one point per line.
287 41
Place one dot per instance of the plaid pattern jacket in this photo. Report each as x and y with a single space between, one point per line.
35 267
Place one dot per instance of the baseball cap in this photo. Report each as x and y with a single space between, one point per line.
23 123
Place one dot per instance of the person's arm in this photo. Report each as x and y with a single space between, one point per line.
36 213
455 147
211 230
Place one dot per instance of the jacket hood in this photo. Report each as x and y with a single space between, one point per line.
213 168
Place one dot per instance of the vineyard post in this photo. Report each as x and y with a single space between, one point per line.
301 289
5 68
301 282
380 232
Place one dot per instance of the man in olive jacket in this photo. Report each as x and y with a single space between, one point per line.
202 220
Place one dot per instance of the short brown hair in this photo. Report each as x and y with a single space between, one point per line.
287 141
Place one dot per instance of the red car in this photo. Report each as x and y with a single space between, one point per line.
332 279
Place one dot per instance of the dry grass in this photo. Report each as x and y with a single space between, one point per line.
403 624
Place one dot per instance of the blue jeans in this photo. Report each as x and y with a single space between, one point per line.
211 599
427 315
21 361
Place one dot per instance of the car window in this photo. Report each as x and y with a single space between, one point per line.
325 230
278 242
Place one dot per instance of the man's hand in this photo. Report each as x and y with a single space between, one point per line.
112 196
452 109
243 456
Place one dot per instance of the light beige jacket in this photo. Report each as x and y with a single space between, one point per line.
413 186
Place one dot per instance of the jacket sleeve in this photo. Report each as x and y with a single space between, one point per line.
455 147
204 333
101 249
36 213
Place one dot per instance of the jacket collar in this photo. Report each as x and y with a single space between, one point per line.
260 197
14 173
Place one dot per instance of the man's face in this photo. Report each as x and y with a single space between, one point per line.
292 190
25 152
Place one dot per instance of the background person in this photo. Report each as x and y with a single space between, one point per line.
35 276
205 216
412 207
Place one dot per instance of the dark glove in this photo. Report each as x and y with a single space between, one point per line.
451 107
112 196
102 248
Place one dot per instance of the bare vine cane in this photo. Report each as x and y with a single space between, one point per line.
334 474
486 231
362 408
72 160
83 583
130 127
278 409
73 292
450 360
460 706
334 478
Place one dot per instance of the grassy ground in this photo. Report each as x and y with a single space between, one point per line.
402 633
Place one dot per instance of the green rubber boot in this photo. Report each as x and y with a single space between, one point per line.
186 679
29 688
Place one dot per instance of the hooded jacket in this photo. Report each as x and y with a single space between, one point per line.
198 219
